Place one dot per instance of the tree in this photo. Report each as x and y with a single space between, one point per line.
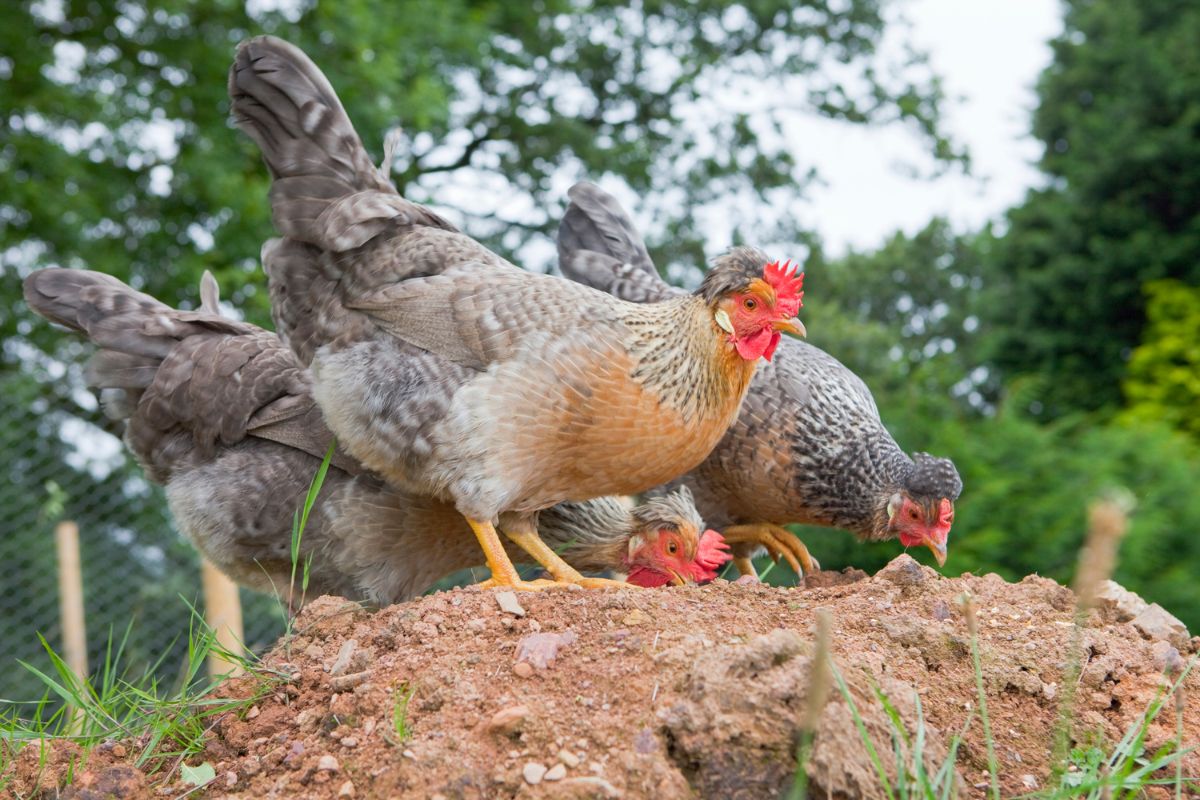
1163 383
1118 114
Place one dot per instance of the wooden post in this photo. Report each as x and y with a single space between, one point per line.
70 607
223 612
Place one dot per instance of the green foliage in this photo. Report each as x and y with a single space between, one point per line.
1164 372
1118 112
401 728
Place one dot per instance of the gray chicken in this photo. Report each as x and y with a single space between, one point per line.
808 446
221 413
452 373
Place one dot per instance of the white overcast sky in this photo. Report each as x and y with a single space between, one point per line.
989 54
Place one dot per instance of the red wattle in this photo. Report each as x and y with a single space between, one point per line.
757 345
647 578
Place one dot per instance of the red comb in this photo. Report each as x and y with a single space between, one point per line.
711 555
788 281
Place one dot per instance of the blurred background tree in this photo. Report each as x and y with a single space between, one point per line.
1052 355
1118 117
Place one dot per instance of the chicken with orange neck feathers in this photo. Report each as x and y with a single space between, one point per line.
450 372
808 447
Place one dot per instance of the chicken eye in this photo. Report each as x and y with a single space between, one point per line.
672 546
913 513
750 304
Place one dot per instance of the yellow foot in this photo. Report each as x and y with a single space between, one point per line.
745 566
521 585
779 542
603 583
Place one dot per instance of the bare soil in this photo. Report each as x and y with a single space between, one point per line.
673 693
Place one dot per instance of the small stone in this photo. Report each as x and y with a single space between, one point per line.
568 758
903 570
941 610
409 754
1166 658
541 649
344 683
314 652
1125 604
595 786
507 601
327 763
349 741
533 772
118 750
1155 622
747 580
1030 782
555 773
253 712
231 779
635 617
508 720
523 669
477 625
346 790
343 657
1049 690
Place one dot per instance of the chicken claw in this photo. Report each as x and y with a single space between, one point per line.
526 537
522 585
778 542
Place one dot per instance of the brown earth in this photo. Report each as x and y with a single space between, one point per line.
681 692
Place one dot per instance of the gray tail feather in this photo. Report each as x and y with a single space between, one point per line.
599 246
133 331
282 101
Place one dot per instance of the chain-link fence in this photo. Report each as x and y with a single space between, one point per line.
139 574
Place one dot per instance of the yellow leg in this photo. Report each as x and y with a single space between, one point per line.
504 574
528 540
745 566
778 542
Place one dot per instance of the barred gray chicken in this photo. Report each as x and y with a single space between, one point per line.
452 373
808 445
221 413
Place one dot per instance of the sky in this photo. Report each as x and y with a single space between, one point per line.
989 54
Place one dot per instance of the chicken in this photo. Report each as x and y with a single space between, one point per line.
808 446
222 414
452 373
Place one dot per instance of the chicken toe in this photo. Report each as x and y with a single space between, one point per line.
778 542
525 536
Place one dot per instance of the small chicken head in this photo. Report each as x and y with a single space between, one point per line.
921 514
754 301
667 546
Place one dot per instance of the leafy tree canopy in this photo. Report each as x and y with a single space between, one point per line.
1119 116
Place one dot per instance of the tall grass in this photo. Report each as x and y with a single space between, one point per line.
164 725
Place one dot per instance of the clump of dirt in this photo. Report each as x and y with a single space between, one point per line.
682 692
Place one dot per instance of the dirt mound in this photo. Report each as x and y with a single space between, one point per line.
684 692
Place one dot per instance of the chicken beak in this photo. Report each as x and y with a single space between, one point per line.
938 550
676 578
792 326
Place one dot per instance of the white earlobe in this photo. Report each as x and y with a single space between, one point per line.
723 321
